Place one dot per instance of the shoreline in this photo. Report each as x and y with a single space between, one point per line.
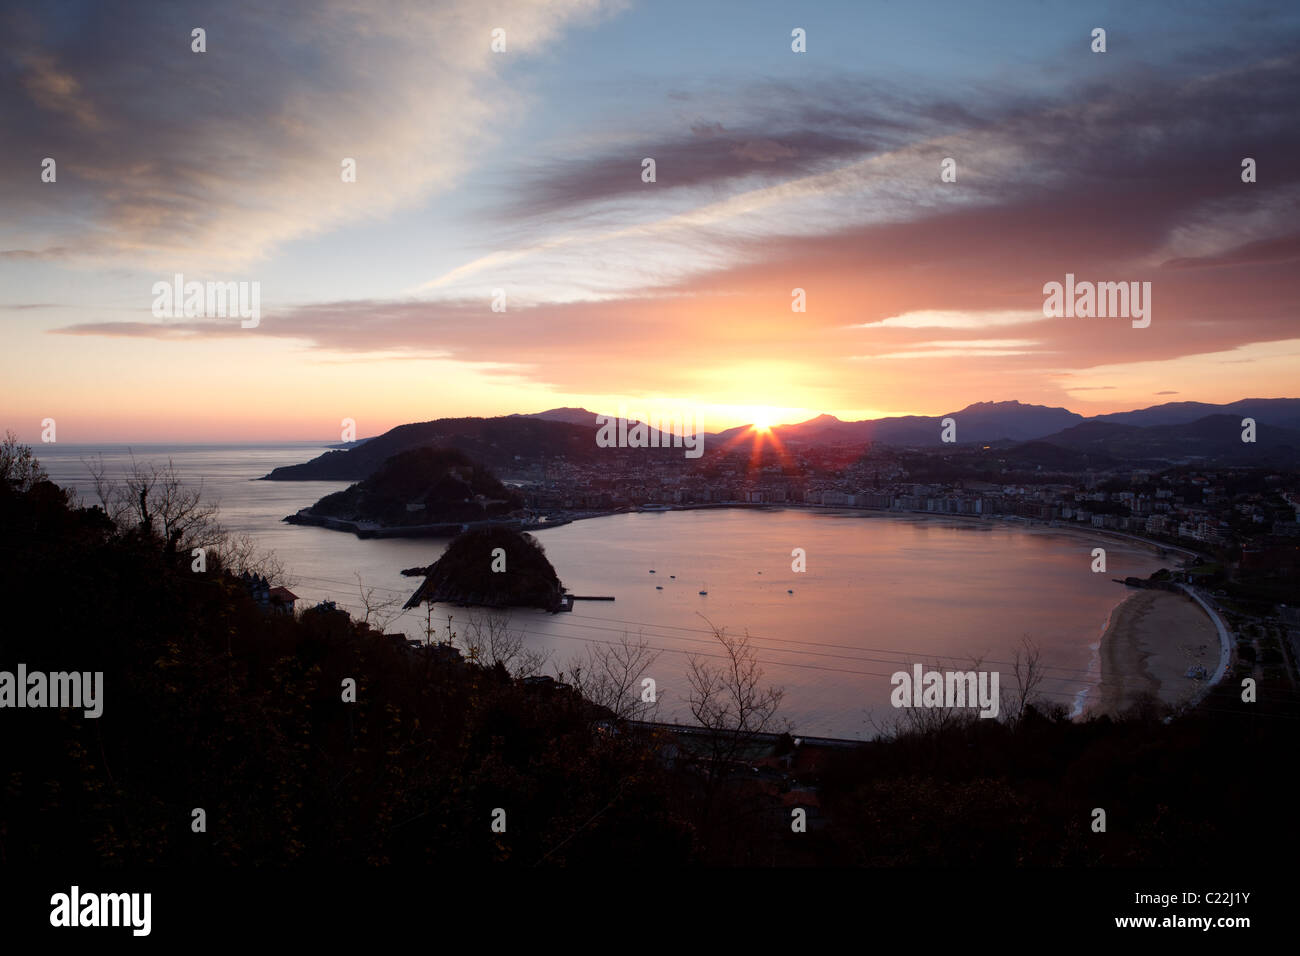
445 529
451 529
1152 639
1173 551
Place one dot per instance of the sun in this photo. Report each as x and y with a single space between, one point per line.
761 418
757 420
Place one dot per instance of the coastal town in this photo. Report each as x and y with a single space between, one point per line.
1231 534
1197 510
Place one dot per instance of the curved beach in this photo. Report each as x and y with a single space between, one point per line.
1152 639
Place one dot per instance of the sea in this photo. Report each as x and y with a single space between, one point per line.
880 592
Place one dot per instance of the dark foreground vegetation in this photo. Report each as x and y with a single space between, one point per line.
211 702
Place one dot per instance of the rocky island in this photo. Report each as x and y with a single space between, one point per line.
491 567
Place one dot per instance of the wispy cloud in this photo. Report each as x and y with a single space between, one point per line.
214 159
616 286
942 319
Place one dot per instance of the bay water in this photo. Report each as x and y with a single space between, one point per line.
881 592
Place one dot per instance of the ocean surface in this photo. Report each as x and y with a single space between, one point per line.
880 593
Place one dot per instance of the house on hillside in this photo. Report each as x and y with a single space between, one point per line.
278 599
281 600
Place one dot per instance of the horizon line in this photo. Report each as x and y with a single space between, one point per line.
332 442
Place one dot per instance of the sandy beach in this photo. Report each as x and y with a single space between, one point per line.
1153 638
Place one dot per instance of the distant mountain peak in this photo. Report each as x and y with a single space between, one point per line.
563 410
1008 404
571 416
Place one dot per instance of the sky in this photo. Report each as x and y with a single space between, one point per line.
514 177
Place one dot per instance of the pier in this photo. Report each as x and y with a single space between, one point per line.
566 602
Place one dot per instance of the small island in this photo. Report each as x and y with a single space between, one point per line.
424 492
474 572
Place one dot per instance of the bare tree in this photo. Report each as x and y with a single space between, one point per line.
157 502
154 501
489 641
733 705
379 611
240 553
926 721
610 675
1027 668
728 699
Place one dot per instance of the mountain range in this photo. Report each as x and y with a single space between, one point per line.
1015 421
1160 432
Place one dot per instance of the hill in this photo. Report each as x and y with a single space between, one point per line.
418 487
1215 438
1284 412
496 442
570 416
513 442
507 442
980 422
491 567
